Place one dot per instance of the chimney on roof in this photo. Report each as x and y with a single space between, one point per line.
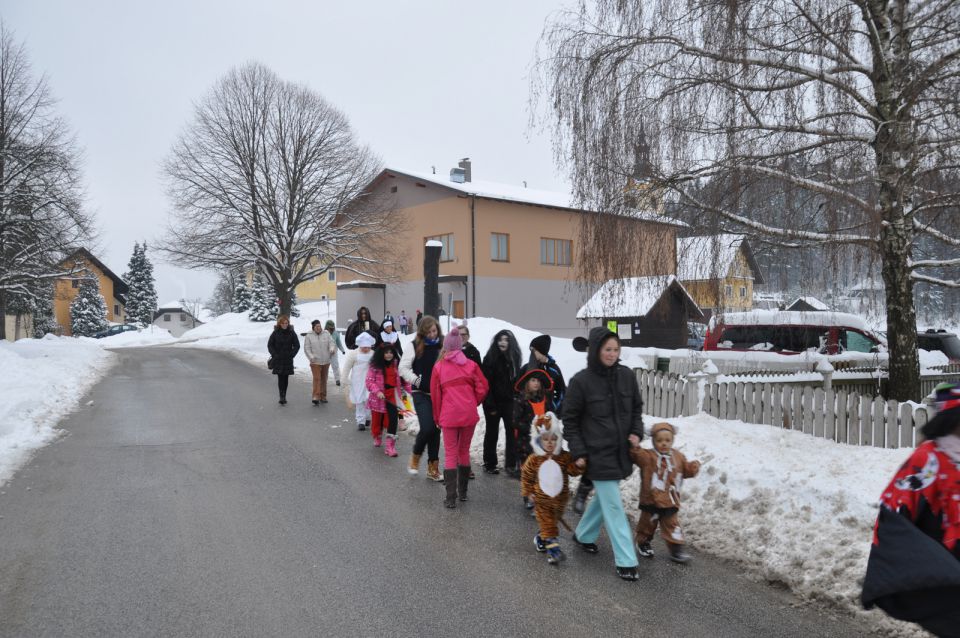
465 165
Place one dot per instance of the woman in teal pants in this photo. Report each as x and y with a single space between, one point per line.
602 420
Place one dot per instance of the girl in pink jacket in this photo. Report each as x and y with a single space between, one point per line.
457 387
386 389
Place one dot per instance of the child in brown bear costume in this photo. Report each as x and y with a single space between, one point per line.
662 471
544 478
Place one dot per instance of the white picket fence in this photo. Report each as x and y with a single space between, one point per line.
838 415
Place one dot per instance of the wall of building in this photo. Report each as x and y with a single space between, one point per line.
18 329
318 288
64 293
712 294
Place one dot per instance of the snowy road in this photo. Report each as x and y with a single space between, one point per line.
186 502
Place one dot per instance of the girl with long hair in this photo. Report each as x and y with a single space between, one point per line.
416 366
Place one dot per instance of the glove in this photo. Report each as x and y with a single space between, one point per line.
416 382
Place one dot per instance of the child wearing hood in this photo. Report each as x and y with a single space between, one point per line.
355 366
662 471
390 336
385 386
545 480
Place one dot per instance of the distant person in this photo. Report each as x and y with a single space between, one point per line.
331 327
404 323
355 368
319 347
363 323
385 388
545 481
662 470
540 358
283 346
419 317
913 572
457 387
501 366
603 421
416 367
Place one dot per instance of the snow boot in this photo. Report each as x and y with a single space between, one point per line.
644 550
678 554
554 553
450 482
433 472
414 466
463 479
580 499
391 445
377 441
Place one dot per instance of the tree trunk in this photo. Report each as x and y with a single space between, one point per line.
3 315
901 316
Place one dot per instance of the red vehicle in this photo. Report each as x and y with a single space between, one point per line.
791 332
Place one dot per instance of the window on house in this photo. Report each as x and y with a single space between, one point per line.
183 317
116 309
166 317
393 189
743 292
499 247
75 283
728 290
556 252
331 275
447 252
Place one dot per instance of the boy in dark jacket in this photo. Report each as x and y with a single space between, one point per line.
540 359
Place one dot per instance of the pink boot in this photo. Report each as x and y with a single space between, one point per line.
377 440
391 447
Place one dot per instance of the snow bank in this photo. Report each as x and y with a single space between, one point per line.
150 336
46 380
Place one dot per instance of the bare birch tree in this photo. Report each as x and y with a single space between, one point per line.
855 102
41 213
269 176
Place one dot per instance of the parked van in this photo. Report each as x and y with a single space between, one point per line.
791 332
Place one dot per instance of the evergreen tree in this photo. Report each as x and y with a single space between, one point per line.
262 301
142 297
88 312
294 311
241 296
41 306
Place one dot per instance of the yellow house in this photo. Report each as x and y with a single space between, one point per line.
112 287
719 272
508 251
320 288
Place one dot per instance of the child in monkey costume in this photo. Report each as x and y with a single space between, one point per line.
544 478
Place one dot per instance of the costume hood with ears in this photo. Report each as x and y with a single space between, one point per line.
659 427
545 381
544 424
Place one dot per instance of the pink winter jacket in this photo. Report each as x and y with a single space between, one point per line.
457 387
376 382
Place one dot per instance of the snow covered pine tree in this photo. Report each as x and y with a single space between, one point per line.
142 298
88 311
262 301
241 297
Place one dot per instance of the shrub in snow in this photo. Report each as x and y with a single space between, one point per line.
88 312
142 296
241 297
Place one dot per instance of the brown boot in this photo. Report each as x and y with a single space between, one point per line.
433 471
463 479
414 467
450 482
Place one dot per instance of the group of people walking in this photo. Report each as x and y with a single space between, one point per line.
443 379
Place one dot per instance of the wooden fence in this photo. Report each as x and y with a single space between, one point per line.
835 414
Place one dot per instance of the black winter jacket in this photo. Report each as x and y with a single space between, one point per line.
552 369
470 352
601 409
283 346
357 326
501 375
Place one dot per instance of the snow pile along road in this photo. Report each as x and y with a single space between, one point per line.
44 380
149 336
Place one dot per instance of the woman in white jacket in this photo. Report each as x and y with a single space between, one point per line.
318 346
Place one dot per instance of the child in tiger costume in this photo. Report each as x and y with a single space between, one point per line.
545 478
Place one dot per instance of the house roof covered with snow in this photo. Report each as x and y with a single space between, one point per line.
632 297
707 257
807 303
790 318
519 194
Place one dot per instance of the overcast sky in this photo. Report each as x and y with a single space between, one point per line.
423 82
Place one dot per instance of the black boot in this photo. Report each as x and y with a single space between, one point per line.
283 398
580 498
463 479
450 482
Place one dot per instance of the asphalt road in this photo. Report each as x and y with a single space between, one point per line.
185 502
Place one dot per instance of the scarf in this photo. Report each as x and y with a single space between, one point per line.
662 475
950 445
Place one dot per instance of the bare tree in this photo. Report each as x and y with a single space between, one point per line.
41 214
269 176
855 102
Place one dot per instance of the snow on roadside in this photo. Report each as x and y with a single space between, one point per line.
45 380
150 336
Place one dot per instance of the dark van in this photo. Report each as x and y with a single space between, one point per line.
791 332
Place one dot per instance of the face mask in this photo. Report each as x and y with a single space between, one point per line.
503 343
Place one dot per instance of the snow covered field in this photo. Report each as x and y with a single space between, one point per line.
44 379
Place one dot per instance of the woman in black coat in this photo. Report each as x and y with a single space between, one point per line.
500 366
362 324
602 420
283 346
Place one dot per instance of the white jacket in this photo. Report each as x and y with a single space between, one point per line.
318 347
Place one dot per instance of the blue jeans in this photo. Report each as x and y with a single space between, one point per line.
429 435
607 508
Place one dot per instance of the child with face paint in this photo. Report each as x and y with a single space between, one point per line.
501 365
